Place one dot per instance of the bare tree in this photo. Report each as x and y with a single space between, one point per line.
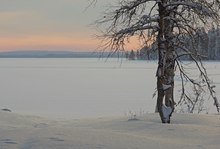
172 25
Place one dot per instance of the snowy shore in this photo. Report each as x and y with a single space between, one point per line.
186 132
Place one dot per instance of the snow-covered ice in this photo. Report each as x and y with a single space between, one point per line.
76 88
83 88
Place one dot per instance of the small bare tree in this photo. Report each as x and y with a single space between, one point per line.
172 25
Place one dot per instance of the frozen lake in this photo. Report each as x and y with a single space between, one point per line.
80 88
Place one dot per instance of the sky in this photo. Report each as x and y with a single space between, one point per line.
49 24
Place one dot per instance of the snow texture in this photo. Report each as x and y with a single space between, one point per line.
166 112
166 87
77 88
185 132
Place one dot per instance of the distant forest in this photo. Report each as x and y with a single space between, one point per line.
207 43
58 54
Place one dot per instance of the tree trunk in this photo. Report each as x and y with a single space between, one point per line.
165 71
165 88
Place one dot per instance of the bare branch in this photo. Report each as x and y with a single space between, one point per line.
174 26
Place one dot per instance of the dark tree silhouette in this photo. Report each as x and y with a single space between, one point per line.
131 55
172 25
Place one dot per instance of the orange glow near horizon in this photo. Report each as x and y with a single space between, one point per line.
64 25
56 43
46 42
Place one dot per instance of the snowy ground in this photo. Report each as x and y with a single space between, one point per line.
96 98
185 132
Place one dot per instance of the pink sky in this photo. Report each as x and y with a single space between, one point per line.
56 42
49 25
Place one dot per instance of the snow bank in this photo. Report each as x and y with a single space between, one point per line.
185 131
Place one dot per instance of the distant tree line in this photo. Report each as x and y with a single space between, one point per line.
207 43
133 55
